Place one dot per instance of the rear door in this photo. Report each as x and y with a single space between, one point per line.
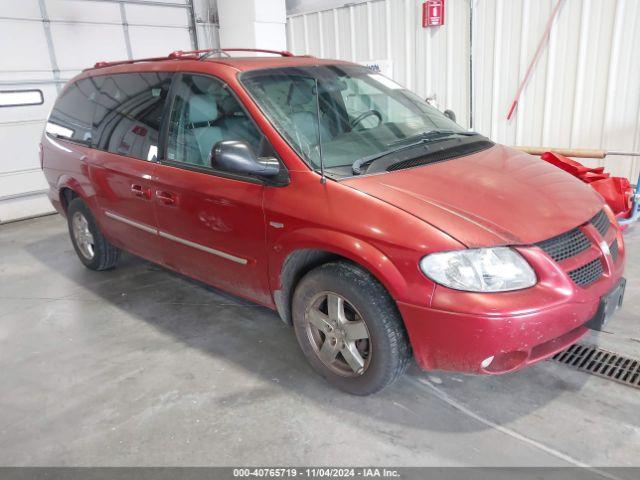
126 129
211 223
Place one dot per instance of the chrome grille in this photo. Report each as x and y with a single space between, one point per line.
614 251
566 245
587 274
601 222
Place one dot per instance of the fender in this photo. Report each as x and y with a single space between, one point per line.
347 246
88 195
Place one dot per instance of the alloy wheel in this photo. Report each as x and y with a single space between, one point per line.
82 235
338 334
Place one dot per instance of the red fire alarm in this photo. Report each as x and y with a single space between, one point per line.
433 13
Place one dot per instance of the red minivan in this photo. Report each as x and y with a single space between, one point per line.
376 226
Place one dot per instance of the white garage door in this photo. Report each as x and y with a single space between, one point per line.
43 43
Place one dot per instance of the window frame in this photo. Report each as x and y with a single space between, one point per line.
281 180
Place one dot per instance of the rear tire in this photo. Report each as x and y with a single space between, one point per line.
349 328
93 249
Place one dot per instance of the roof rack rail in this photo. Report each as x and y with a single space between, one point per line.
124 62
282 53
193 54
225 51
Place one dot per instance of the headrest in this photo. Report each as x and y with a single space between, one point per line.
300 93
202 108
200 85
230 105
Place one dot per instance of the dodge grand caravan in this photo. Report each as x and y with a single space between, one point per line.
376 226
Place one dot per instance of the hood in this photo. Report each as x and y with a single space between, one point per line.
498 196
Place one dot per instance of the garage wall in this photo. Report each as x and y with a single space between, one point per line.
43 43
585 90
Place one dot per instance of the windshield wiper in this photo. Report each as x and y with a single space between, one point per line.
436 134
424 137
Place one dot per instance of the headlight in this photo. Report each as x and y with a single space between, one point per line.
497 269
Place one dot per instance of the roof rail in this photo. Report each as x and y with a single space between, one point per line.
124 62
282 53
192 54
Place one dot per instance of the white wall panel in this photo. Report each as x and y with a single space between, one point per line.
157 41
156 15
584 90
21 9
83 11
80 45
29 37
43 43
623 93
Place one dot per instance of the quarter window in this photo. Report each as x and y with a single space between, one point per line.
204 113
73 112
128 113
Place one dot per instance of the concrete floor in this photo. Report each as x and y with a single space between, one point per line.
140 366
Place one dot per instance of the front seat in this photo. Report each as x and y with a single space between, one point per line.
203 116
304 119
235 122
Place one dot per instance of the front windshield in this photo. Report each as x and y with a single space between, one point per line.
362 113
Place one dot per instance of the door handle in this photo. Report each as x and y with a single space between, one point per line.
140 191
167 198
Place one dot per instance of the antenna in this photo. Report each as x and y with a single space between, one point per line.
323 179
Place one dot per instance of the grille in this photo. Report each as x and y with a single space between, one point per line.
587 274
603 363
614 251
447 154
566 245
601 222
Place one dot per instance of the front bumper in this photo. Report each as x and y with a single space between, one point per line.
461 342
500 332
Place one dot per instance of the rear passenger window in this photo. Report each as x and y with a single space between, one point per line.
72 113
204 113
128 113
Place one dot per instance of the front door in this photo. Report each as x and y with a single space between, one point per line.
126 125
211 224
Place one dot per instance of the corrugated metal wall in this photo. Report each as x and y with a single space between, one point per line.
584 92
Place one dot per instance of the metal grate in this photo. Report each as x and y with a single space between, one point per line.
591 359
566 245
587 274
601 222
613 248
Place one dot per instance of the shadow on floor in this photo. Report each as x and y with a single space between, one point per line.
255 339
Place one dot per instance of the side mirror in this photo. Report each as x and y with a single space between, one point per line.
450 115
237 157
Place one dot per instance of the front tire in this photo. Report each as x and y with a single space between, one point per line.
349 328
93 249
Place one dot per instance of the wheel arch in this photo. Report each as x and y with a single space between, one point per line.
69 189
312 248
67 194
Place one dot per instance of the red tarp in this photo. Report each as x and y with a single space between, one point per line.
616 191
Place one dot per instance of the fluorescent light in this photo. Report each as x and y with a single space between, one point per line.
19 98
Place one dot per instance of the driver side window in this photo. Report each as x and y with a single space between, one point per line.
204 113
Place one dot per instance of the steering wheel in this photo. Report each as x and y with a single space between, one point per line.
369 113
